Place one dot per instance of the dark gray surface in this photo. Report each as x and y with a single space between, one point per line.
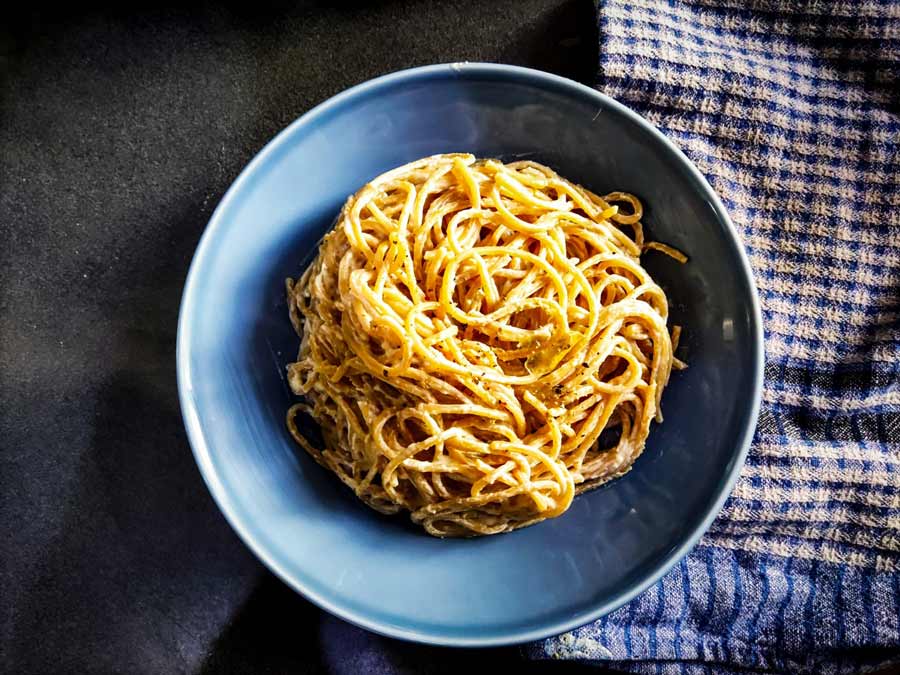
120 129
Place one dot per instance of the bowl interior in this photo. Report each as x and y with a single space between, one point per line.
235 340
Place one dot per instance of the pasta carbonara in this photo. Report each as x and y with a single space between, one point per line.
468 330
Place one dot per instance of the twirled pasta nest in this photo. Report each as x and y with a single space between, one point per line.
469 329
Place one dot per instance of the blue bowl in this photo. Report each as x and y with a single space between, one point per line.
234 340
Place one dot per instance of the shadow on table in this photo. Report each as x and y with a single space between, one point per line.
564 41
277 631
557 36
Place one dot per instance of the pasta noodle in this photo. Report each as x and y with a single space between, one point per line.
479 343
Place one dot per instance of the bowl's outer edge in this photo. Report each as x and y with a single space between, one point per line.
201 451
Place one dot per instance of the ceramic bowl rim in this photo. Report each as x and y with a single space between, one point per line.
203 454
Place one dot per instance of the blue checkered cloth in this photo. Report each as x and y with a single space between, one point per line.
792 111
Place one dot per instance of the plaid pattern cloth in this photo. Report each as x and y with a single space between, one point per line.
792 111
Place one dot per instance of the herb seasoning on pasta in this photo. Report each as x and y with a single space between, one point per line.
468 330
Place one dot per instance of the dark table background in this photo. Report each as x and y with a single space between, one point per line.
120 130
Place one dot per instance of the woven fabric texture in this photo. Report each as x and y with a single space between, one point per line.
792 111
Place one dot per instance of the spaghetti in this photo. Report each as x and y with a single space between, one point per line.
469 329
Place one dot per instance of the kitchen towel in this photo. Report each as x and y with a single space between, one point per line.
792 112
